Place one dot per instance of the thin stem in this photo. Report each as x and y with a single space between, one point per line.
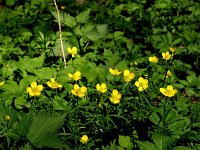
60 32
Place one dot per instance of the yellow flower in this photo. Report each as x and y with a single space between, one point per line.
53 84
2 83
115 97
75 76
101 88
142 84
153 59
169 91
172 49
115 71
166 55
84 139
73 51
79 91
34 90
7 118
128 76
169 74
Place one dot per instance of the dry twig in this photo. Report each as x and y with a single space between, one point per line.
60 32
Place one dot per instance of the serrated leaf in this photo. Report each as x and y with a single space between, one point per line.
69 21
45 73
93 36
87 28
102 29
43 130
83 16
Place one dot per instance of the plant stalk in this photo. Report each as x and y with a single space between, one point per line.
60 32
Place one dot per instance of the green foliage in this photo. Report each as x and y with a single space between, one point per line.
137 109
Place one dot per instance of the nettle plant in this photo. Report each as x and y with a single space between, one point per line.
100 99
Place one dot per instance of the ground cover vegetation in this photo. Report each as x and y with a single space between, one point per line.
131 78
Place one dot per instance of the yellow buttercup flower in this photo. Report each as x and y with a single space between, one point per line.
79 91
2 83
166 55
169 74
34 90
73 51
153 59
115 97
53 84
172 49
75 76
115 71
84 139
169 91
7 118
128 76
142 84
101 88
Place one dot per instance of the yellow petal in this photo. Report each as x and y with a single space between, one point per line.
70 75
40 87
83 89
52 80
126 72
170 87
33 84
76 87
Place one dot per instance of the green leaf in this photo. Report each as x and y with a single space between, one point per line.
45 73
44 128
181 148
170 38
26 147
177 41
124 141
69 20
10 2
145 145
191 77
93 35
84 16
22 126
102 29
161 141
183 82
20 102
154 117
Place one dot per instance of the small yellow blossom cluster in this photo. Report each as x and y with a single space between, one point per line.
169 74
128 76
75 76
142 84
167 55
115 97
84 139
169 91
79 91
153 59
35 90
101 87
72 51
53 84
